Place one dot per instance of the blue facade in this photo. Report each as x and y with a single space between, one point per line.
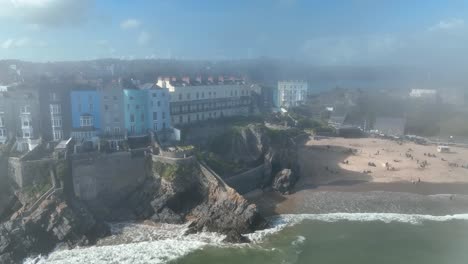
159 116
135 111
86 113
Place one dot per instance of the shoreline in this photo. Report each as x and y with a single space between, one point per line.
311 199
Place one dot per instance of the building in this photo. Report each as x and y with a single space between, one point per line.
135 104
86 114
6 117
290 93
112 113
158 104
423 94
390 126
197 101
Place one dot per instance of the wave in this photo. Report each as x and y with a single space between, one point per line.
280 222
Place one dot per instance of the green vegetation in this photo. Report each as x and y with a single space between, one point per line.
170 172
219 165
37 188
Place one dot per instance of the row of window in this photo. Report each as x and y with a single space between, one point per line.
206 106
201 95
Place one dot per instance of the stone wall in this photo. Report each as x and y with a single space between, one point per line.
107 177
247 181
25 173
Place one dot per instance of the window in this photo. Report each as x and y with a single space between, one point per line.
164 125
53 96
163 94
142 117
56 122
116 119
188 119
132 118
131 97
214 93
188 95
57 135
79 107
163 115
152 103
106 97
154 94
180 119
155 126
108 130
128 106
155 115
2 132
159 103
198 117
106 107
26 135
55 109
91 107
86 121
137 107
181 109
209 94
198 95
2 121
26 109
203 95
180 97
132 129
115 98
90 98
26 123
116 130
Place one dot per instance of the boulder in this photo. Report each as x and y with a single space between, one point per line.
284 181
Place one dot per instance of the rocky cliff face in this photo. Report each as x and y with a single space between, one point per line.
189 192
54 221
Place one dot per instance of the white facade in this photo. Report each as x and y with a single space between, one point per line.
291 93
194 103
423 93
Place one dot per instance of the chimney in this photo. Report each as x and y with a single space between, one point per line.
186 79
199 79
173 79
167 79
221 79
210 79
232 78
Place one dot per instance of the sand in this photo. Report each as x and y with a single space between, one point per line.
339 165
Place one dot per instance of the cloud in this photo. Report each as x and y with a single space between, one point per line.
46 12
130 24
15 43
143 38
449 24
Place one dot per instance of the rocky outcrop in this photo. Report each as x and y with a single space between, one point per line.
54 221
186 191
284 181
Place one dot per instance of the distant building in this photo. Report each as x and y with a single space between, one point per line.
86 114
423 94
291 93
196 101
135 111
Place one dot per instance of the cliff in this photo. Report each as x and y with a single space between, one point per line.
38 232
183 190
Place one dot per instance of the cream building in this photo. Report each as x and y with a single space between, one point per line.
196 101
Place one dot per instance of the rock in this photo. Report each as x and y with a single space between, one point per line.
284 181
6 258
234 237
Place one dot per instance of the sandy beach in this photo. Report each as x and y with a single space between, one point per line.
339 165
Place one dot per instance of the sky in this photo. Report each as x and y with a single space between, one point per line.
332 32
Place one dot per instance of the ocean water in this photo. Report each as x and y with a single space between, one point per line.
303 238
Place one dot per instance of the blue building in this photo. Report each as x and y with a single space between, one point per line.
135 111
158 100
86 114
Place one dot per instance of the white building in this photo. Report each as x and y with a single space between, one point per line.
291 93
197 101
423 93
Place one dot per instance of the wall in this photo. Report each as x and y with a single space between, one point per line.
135 103
247 181
25 173
158 102
90 104
112 111
106 177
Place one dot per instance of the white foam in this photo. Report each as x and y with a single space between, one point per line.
280 222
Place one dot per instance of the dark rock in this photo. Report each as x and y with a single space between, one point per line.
284 181
6 258
235 237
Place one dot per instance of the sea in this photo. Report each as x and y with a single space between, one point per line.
403 234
